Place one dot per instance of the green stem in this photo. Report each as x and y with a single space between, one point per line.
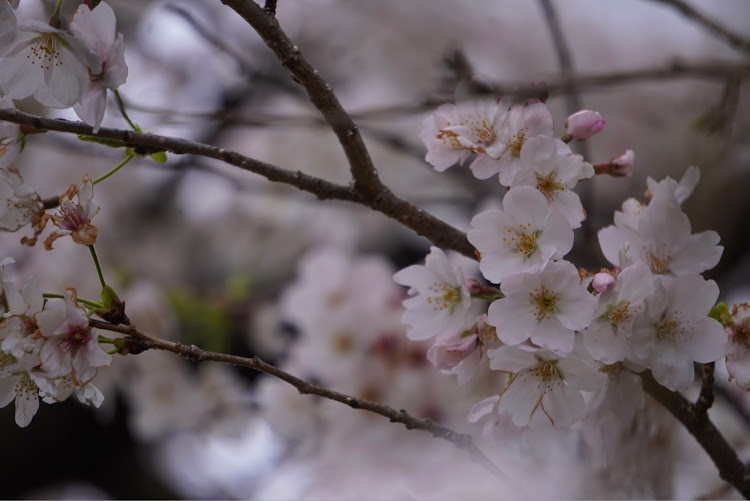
107 340
119 166
98 267
121 107
90 304
58 8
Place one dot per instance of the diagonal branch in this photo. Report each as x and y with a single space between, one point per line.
139 341
384 201
735 40
700 426
365 176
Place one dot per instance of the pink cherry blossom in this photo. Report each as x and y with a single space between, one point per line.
74 218
546 307
522 237
584 124
71 346
738 350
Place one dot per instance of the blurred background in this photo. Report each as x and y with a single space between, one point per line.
208 254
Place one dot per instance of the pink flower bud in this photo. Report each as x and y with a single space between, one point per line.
603 282
447 353
584 124
623 165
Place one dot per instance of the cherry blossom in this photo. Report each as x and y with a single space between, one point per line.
96 28
439 297
549 165
663 241
674 330
453 132
546 381
19 332
10 137
24 384
71 346
584 124
19 203
40 58
74 218
670 190
606 339
546 307
522 237
738 349
458 354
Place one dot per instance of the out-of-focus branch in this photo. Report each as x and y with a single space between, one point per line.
731 469
711 70
735 40
383 201
365 176
706 397
139 341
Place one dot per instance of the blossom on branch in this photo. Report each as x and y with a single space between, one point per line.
46 62
74 218
19 203
545 307
97 28
439 297
522 237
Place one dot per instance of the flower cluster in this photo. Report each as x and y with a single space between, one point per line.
61 66
555 331
47 349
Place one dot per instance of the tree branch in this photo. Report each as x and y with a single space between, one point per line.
383 201
700 426
365 177
139 341
706 397
735 40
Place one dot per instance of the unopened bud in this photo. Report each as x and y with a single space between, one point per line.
584 124
603 282
621 166
445 354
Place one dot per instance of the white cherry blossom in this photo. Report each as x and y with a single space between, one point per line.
549 165
663 240
543 381
674 330
97 29
74 218
606 339
546 307
40 58
439 297
19 203
671 190
522 237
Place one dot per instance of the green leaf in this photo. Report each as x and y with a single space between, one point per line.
721 313
160 156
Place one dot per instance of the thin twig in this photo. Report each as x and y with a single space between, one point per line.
735 40
700 426
706 397
142 341
383 201
713 70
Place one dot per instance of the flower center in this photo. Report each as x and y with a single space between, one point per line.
546 370
516 143
523 241
449 137
618 313
443 296
668 329
75 339
657 259
47 51
544 302
549 186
